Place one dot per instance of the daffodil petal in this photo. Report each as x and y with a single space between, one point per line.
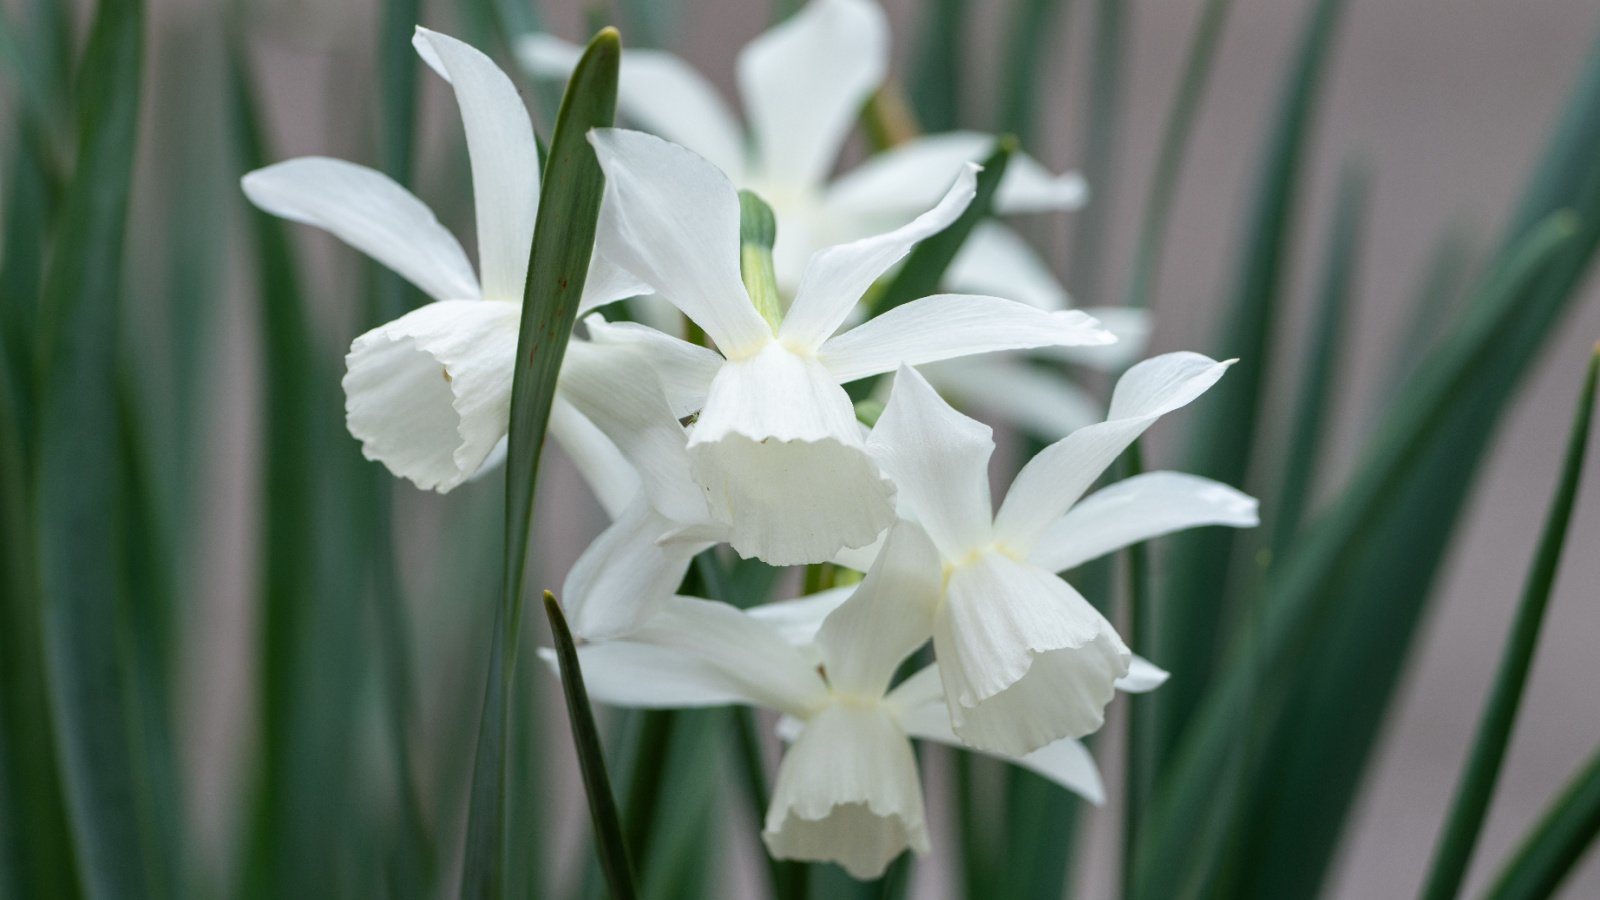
685 369
672 219
1031 397
608 473
1138 509
429 394
995 260
1025 660
657 91
836 277
371 212
505 165
848 792
1054 479
805 81
625 575
1066 762
888 617
945 326
939 462
781 457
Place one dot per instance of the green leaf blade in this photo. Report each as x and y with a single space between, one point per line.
1471 803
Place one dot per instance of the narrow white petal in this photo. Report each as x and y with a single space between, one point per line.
685 369
1066 762
657 91
608 473
997 261
1026 661
848 792
798 620
608 282
625 575
945 326
615 387
369 211
429 394
888 617
770 671
1132 328
647 676
892 185
836 277
805 81
780 455
672 219
1034 398
505 165
1143 676
1138 509
1029 187
1054 480
939 462
898 179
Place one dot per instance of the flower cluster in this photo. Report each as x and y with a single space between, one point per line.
747 437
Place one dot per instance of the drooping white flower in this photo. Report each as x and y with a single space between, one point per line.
803 83
429 394
847 790
1025 659
776 444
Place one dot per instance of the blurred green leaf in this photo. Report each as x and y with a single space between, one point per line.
1433 302
609 842
1033 26
1309 428
1139 766
1476 789
1193 604
1196 75
1311 585
1562 836
1316 756
558 265
90 664
1099 150
936 83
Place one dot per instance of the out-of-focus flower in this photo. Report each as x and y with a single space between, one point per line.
847 789
1025 659
803 83
429 394
776 444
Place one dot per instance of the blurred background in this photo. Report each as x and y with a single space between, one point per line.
1445 103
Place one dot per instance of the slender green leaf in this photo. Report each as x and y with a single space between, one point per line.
1433 302
1192 83
1033 28
1476 789
936 87
1099 154
306 829
558 264
1320 747
1562 836
1310 584
609 842
1193 603
1139 767
1326 341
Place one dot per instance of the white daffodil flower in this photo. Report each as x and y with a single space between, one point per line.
803 84
429 394
848 789
776 444
1025 659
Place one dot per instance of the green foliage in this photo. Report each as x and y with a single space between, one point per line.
558 264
